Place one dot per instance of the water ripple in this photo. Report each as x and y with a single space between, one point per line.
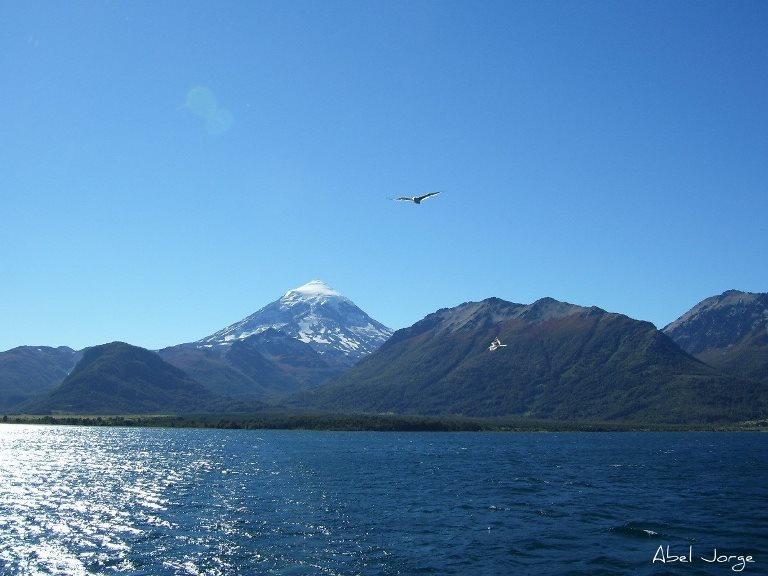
80 501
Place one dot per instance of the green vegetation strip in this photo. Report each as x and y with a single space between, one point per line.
364 422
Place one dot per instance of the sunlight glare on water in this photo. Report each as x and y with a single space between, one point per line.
77 497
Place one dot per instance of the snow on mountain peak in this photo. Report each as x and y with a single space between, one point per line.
315 314
313 288
315 292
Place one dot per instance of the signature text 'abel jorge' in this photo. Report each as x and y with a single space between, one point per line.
737 562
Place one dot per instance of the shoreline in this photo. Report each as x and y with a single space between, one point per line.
368 423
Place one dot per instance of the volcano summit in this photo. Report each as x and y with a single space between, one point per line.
317 315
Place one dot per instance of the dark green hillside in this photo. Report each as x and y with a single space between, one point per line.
561 362
747 358
598 366
30 370
118 378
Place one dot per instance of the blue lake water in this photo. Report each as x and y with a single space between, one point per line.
80 501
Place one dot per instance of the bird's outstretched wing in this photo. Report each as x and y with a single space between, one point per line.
425 196
416 199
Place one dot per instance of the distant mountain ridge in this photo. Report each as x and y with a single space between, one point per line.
729 331
264 366
120 378
26 371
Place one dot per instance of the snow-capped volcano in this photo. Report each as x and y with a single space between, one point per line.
315 314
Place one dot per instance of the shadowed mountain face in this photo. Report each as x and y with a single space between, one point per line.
561 361
266 365
27 371
729 331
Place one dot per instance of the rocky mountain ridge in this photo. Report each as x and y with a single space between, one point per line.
560 361
728 331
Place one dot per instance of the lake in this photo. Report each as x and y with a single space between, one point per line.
143 501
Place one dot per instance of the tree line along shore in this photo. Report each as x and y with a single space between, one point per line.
365 422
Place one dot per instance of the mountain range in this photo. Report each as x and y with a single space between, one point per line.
559 361
305 337
127 379
314 349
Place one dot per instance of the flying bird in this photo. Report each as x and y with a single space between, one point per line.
416 199
496 344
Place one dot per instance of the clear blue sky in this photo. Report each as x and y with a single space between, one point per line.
167 168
